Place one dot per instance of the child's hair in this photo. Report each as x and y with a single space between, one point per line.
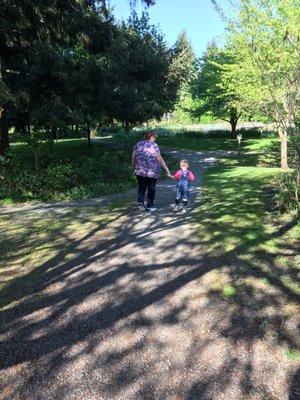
149 135
184 162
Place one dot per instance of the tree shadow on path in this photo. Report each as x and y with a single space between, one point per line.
133 313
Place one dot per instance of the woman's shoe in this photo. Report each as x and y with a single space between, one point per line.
151 209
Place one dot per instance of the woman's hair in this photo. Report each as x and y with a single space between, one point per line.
182 162
149 135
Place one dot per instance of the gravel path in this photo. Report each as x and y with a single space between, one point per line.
131 317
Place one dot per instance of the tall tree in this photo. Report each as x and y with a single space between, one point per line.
215 88
265 39
30 34
142 86
184 61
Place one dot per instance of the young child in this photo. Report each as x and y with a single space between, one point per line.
183 176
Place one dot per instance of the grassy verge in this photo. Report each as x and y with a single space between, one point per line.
254 253
233 208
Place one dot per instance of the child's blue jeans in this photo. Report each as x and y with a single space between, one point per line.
182 191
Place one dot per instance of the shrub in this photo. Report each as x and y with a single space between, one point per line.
63 176
287 193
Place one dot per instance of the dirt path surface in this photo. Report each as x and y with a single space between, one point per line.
131 316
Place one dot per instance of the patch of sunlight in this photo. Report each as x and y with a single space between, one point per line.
225 218
7 307
231 245
290 283
251 236
229 291
251 172
283 261
6 202
32 240
265 281
292 354
270 245
118 205
216 279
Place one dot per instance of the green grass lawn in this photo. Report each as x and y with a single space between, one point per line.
212 144
262 151
253 254
234 224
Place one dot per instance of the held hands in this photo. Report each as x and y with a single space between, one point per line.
169 175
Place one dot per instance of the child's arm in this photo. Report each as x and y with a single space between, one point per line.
177 175
191 176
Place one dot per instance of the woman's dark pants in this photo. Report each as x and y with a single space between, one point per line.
148 184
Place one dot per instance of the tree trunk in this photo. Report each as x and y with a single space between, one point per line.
4 137
36 161
233 123
54 132
127 129
88 132
297 185
283 138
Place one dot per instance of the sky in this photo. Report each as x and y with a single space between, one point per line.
197 17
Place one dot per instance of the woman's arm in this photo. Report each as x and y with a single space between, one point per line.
163 164
177 175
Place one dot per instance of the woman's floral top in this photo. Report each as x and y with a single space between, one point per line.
146 163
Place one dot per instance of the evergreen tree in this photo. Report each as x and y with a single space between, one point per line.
36 40
142 87
184 62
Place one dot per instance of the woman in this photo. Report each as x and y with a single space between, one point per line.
146 160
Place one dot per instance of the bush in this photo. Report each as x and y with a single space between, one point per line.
287 193
65 176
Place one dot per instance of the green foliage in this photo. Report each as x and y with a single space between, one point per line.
183 69
141 74
61 177
76 65
184 59
265 40
287 193
215 89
